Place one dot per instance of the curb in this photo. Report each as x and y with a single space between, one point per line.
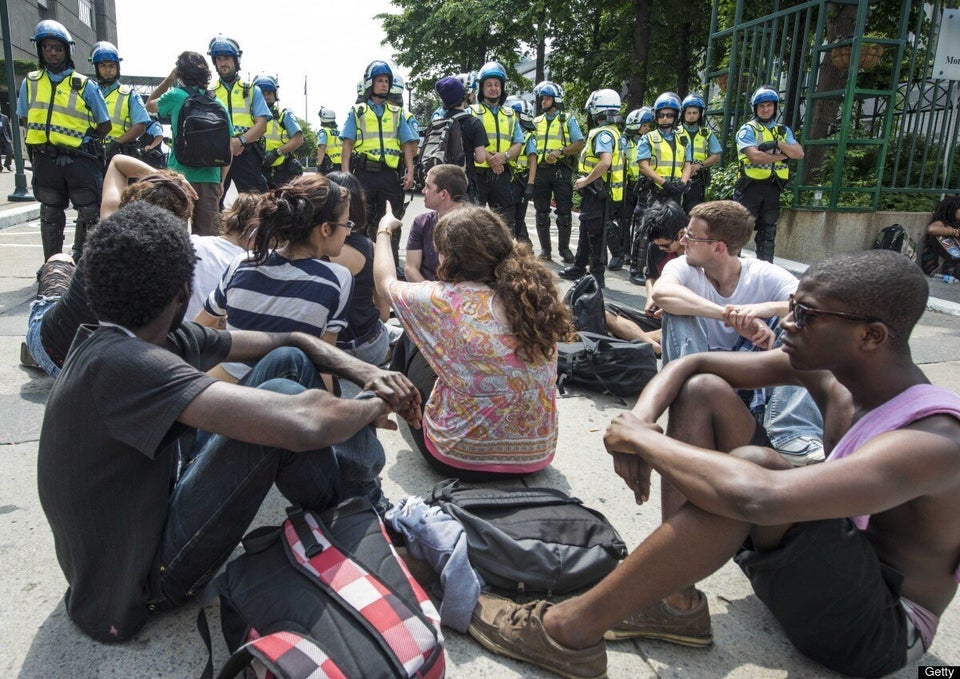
20 214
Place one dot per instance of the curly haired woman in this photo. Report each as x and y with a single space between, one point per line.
485 337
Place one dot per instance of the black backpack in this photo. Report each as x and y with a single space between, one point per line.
531 539
895 237
606 364
327 586
442 144
202 138
585 301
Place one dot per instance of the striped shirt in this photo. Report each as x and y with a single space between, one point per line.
282 295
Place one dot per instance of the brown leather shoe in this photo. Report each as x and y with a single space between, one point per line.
516 631
666 623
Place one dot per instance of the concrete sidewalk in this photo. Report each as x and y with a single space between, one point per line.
40 641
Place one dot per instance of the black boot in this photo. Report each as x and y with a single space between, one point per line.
543 235
572 273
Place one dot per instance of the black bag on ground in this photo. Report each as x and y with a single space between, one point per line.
895 237
585 301
646 323
326 586
203 132
605 364
531 539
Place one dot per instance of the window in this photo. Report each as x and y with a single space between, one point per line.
85 12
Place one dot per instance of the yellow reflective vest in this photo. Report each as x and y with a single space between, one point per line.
632 170
56 114
615 174
378 137
550 137
238 101
275 135
499 128
666 158
700 140
522 163
764 171
334 150
118 106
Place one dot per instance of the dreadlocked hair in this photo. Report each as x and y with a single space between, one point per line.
476 246
946 212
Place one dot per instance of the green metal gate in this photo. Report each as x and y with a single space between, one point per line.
856 80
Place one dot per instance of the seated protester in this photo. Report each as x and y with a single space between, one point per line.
61 304
856 558
945 221
131 536
663 224
444 190
494 312
712 299
366 335
216 253
284 285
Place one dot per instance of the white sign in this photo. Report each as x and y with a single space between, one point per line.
947 63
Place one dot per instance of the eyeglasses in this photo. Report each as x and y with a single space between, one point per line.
666 114
349 225
801 312
684 236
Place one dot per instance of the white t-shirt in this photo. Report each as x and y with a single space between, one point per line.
214 255
760 281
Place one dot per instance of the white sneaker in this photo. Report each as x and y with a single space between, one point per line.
802 451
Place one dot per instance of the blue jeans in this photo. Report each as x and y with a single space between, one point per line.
790 411
38 308
221 490
373 351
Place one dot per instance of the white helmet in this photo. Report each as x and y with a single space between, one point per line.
604 105
327 116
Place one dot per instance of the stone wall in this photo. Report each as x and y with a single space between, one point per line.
809 235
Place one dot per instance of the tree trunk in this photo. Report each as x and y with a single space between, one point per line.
684 32
637 87
541 44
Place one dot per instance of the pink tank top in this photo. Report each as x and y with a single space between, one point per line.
916 403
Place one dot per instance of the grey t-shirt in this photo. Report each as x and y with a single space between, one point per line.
106 465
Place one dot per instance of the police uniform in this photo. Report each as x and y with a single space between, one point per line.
555 180
521 167
126 110
503 131
599 198
379 132
59 109
329 137
759 186
702 143
153 156
666 152
282 126
245 103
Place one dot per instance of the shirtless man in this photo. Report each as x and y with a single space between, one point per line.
859 595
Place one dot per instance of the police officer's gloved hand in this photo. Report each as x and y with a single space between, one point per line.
768 146
269 159
528 192
671 190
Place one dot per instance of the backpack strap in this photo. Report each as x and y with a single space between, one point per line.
287 655
466 497
408 639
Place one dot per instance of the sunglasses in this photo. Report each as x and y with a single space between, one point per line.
666 114
801 312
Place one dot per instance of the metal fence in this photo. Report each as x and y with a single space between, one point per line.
878 129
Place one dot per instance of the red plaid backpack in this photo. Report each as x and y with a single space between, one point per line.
325 595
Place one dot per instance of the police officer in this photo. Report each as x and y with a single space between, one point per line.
600 184
375 137
127 113
559 140
397 88
661 153
524 167
329 145
248 112
637 189
282 137
66 120
763 148
705 146
504 141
